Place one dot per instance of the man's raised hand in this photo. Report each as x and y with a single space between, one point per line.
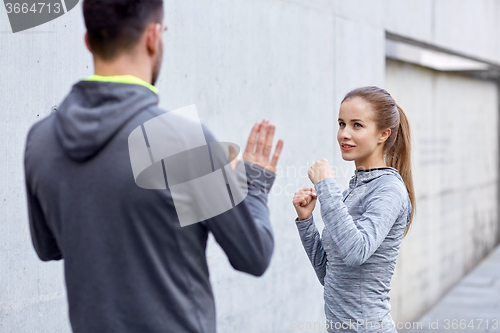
259 145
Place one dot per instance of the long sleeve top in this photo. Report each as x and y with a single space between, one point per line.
357 252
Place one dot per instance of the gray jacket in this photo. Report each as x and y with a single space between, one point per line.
356 254
129 266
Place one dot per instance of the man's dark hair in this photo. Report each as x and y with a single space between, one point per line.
114 26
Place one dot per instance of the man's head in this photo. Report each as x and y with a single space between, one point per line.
131 28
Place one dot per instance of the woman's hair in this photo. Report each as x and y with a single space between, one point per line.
397 148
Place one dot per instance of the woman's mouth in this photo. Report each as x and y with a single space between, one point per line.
346 147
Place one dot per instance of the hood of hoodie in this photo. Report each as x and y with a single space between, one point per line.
364 176
94 111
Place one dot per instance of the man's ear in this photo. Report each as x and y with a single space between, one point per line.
152 36
86 37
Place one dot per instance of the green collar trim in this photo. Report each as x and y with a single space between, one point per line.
122 79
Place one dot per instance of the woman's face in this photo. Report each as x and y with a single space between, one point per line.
357 129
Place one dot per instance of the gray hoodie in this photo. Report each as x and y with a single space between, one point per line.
357 252
129 266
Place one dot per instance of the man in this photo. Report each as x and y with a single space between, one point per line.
129 266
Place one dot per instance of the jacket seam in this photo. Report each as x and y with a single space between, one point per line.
189 286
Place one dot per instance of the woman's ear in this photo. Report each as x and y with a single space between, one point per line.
385 135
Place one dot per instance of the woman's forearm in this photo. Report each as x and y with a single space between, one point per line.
313 246
357 242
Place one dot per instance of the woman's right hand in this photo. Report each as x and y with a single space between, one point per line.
304 202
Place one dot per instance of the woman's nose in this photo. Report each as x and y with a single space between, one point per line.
345 134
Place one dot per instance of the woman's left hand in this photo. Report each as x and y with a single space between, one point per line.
320 170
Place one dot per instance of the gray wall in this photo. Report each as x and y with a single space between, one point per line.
291 61
454 121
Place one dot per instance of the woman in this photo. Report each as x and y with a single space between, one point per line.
356 254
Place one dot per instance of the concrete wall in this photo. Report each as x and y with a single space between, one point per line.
454 123
290 61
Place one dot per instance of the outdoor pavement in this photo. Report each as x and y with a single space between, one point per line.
472 305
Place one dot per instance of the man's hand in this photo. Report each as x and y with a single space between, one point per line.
320 170
260 154
233 156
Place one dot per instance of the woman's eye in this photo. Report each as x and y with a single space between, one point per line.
342 123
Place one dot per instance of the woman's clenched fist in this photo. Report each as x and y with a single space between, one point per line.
304 202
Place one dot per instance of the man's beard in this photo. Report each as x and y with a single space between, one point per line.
157 65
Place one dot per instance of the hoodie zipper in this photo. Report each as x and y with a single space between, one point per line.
355 183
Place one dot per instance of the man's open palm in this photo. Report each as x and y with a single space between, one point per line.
260 144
